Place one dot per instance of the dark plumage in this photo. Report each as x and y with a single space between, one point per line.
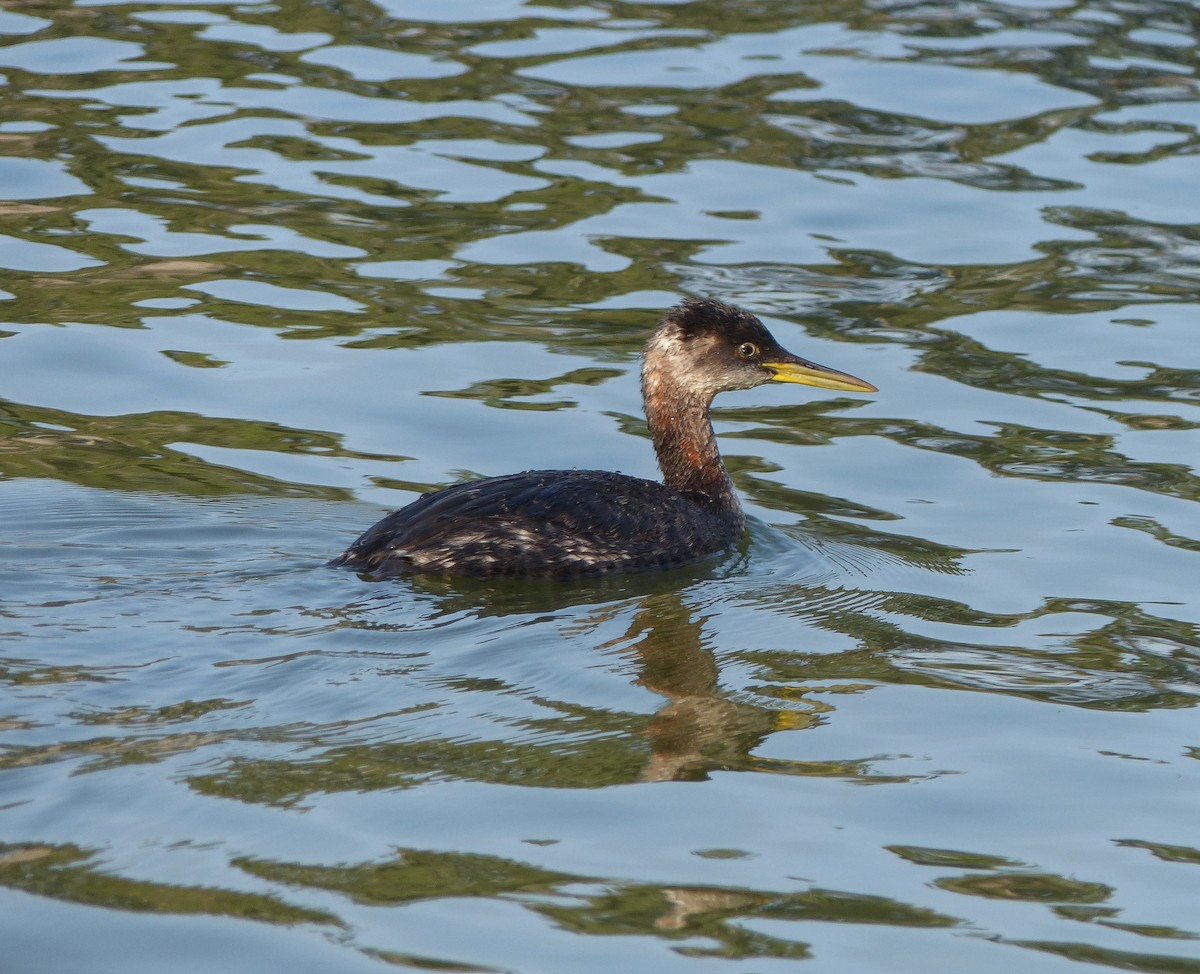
574 523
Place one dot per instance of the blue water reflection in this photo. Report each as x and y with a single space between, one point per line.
270 270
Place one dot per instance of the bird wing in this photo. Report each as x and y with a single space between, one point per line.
542 522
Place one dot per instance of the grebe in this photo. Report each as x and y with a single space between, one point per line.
576 523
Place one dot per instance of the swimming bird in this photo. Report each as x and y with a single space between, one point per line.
577 523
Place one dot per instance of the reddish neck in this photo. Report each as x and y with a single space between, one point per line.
684 441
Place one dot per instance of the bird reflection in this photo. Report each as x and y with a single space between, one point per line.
698 730
467 650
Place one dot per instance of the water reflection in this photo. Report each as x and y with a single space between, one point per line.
651 630
548 741
698 729
705 922
68 873
272 269
137 451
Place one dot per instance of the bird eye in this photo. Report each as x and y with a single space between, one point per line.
748 350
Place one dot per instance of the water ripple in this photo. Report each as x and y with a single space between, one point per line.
271 270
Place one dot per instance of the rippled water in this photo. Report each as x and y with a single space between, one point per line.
268 270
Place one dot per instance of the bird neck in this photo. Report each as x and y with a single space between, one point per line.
684 441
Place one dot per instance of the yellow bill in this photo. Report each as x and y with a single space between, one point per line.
795 369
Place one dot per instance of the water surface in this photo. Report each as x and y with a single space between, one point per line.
270 270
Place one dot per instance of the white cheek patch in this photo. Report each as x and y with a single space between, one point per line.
664 342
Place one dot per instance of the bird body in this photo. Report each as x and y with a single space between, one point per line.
547 523
579 523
